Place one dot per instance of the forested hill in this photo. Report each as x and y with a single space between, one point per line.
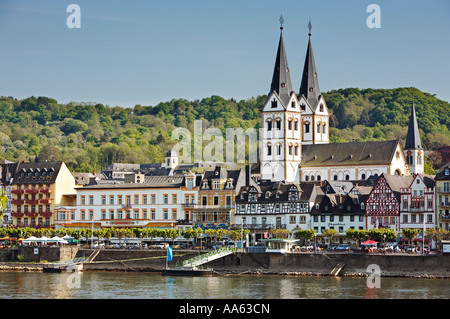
89 137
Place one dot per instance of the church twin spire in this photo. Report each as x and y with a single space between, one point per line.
281 80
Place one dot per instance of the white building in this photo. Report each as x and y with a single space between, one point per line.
154 201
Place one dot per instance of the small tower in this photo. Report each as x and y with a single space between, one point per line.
315 116
280 152
413 146
171 160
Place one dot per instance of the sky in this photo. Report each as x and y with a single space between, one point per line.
146 52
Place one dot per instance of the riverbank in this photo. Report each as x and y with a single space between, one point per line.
291 264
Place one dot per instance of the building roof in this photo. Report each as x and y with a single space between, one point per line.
355 153
413 136
441 175
281 79
309 86
149 182
271 191
36 173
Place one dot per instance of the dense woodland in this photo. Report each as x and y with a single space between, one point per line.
89 137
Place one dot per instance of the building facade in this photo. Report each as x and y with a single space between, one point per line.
443 197
417 209
271 205
37 188
216 197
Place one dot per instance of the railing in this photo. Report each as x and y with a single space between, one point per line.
202 259
31 214
16 214
46 201
188 204
45 214
442 190
444 204
17 191
32 191
32 201
442 216
46 190
17 201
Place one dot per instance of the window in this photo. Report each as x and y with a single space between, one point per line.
278 124
269 150
290 124
91 200
306 127
269 125
296 125
204 200
216 200
290 149
103 214
318 128
111 199
153 199
136 199
144 214
296 150
274 103
136 214
103 200
166 199
111 214
83 200
144 199
166 214
174 199
174 214
119 214
190 183
215 184
324 129
292 220
119 199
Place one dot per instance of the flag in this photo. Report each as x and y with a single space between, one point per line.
169 254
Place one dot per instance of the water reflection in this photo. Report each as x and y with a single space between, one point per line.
104 285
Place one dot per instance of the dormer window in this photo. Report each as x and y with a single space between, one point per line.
447 171
216 185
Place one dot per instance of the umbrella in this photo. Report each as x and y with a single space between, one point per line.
369 242
31 239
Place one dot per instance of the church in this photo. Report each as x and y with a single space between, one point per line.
295 143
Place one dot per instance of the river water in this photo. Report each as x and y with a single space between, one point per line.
119 285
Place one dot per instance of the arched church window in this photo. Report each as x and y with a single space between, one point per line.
278 124
269 125
347 177
335 177
296 150
318 128
306 127
274 103
290 124
296 125
306 178
324 130
269 149
311 89
321 107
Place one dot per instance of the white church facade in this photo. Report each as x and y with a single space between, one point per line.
295 144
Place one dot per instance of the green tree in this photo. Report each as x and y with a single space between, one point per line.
410 233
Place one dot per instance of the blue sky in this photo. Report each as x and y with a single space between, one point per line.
146 52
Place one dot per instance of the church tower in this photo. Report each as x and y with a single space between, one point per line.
315 116
413 146
280 149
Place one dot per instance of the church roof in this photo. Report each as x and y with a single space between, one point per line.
413 136
281 79
309 86
355 153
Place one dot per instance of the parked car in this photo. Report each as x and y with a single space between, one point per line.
343 247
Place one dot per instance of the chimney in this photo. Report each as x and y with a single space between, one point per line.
247 175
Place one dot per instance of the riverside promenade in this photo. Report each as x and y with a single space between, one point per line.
305 263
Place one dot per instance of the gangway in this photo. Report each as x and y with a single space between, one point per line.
203 259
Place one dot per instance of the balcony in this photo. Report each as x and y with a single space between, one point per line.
444 204
445 217
45 214
46 190
257 226
16 214
184 222
188 204
32 191
46 201
17 201
31 214
32 201
17 191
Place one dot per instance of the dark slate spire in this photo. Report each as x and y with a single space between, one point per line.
309 86
281 80
413 136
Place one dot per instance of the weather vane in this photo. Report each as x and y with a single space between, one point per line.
309 26
281 22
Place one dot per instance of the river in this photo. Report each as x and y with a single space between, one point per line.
121 285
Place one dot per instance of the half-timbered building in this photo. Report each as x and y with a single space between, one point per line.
383 202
